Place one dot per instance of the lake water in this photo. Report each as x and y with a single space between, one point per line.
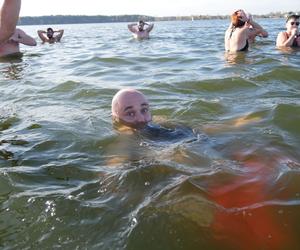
70 181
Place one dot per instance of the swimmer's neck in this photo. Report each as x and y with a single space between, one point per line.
125 129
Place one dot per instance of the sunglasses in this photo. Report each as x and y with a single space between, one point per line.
297 23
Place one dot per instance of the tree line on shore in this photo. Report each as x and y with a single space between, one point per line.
73 19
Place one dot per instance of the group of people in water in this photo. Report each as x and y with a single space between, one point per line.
241 32
130 110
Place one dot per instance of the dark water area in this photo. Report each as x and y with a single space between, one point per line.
69 180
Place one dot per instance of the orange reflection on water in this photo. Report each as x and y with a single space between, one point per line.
246 219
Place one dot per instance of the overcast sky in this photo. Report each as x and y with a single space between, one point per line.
152 7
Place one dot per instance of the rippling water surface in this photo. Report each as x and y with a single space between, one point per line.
69 180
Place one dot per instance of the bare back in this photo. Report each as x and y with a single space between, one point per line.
236 38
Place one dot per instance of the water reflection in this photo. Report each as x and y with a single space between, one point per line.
248 207
235 57
13 66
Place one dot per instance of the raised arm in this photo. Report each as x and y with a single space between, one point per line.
60 34
9 16
132 27
150 27
256 29
42 36
21 37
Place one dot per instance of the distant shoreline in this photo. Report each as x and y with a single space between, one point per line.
81 19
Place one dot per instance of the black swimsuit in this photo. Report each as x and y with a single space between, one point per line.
245 47
295 44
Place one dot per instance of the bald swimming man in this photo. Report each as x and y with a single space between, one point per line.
131 111
130 107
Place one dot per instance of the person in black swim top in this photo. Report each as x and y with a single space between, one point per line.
291 37
242 31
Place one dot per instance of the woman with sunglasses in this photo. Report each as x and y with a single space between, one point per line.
290 37
242 31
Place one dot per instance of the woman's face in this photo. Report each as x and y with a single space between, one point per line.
292 23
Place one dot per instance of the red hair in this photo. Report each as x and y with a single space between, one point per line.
236 20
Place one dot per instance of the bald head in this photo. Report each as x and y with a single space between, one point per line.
130 107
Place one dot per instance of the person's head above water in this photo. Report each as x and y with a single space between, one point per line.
141 25
239 18
131 108
50 33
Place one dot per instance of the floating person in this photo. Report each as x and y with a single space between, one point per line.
242 31
139 31
131 112
132 119
49 36
12 46
290 37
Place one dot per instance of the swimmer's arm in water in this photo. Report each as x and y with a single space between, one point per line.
231 124
42 35
21 37
59 36
132 27
150 27
9 15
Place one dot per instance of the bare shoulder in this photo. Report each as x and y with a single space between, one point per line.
282 33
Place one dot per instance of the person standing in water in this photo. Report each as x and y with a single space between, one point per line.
241 32
9 15
10 37
290 37
139 31
49 36
12 45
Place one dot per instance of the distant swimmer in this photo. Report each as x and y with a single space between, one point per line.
139 31
12 45
290 37
241 32
49 36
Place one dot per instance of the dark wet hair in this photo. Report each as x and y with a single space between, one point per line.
49 29
292 15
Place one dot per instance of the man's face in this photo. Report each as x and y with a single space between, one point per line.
141 26
133 110
50 33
